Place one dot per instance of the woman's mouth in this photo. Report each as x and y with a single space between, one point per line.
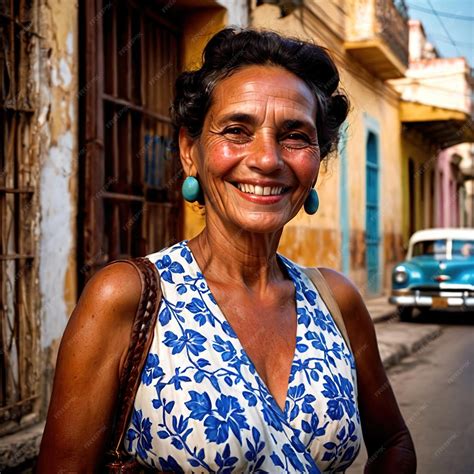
260 190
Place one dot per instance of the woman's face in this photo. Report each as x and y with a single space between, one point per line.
258 155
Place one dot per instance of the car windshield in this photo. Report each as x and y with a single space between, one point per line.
463 248
431 248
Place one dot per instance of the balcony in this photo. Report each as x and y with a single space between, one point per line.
443 127
377 36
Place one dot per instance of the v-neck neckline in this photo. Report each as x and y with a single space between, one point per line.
221 314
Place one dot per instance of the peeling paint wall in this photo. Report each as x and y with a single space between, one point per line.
53 147
56 236
58 170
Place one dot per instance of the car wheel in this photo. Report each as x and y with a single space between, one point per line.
405 313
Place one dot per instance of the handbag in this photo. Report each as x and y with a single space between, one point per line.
118 461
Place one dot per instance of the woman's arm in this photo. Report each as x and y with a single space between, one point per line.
388 441
91 354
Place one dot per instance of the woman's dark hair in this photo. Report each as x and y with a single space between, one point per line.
231 49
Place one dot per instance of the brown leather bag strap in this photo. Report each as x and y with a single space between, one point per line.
327 296
140 341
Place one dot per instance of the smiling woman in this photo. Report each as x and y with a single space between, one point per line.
255 364
257 156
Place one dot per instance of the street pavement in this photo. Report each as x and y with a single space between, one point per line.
380 309
397 340
434 389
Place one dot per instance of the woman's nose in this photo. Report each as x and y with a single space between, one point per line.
266 155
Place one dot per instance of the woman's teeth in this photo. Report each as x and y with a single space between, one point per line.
260 190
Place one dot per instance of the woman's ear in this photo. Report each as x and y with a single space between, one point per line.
188 148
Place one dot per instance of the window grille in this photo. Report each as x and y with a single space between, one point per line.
130 181
19 332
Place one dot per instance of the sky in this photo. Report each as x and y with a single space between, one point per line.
450 30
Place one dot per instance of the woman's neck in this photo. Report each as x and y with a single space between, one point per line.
238 257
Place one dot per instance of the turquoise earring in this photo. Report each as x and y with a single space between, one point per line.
191 189
311 204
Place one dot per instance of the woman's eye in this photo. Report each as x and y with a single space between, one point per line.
237 134
297 136
296 140
234 131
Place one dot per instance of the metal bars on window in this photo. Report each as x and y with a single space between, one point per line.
19 331
130 201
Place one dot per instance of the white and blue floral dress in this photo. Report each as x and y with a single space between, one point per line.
202 407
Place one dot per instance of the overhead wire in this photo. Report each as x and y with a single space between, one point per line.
446 40
342 60
448 34
453 16
449 39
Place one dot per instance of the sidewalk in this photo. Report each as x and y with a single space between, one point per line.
397 340
380 309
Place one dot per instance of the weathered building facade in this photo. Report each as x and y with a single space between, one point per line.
86 174
436 113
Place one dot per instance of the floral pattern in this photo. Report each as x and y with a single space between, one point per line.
202 407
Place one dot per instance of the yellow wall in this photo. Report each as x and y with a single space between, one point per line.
199 26
424 156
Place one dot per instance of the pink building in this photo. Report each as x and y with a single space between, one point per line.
451 191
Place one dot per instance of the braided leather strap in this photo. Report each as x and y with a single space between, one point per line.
142 334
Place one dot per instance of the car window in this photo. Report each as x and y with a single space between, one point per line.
463 248
430 248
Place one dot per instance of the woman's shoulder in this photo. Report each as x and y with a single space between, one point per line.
345 292
116 288
109 301
118 284
351 303
341 286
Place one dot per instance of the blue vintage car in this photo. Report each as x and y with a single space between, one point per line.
438 272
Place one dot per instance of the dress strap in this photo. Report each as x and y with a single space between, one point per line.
327 296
